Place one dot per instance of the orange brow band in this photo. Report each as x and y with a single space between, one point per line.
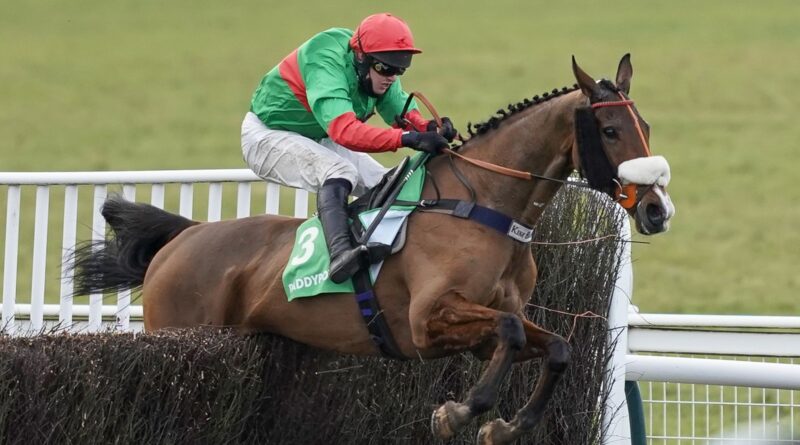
618 103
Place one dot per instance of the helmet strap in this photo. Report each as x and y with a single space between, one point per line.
362 72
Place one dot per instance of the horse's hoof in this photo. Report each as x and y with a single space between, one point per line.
448 419
440 425
495 432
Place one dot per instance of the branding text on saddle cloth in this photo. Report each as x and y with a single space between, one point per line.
304 282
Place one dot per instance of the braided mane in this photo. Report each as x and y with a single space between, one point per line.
512 109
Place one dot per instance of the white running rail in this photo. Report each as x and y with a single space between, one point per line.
705 379
680 359
42 308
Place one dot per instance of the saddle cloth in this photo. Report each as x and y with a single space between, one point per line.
306 273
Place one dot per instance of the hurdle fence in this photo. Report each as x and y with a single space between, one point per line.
704 379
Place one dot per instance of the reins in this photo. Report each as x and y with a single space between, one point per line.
626 194
519 174
528 176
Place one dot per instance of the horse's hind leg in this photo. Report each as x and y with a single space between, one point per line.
556 352
464 325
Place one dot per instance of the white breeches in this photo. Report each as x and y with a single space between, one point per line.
290 159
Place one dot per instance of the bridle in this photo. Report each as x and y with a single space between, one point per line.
624 194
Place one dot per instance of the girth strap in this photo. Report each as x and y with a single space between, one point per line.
484 215
373 317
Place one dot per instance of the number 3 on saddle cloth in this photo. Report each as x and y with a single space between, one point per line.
306 273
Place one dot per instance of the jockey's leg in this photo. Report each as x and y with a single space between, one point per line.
292 159
325 168
370 171
332 210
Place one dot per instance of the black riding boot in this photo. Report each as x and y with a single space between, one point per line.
331 207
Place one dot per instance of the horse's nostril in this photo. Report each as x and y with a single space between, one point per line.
655 214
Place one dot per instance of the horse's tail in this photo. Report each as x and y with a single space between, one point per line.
121 260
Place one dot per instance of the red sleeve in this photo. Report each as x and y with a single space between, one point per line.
419 122
351 133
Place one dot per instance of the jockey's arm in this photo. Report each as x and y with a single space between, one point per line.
332 107
391 105
328 97
418 123
348 131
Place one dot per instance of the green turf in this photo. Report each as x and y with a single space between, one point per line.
125 85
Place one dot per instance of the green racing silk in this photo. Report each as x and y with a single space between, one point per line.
317 83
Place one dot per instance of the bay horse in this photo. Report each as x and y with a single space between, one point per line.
456 286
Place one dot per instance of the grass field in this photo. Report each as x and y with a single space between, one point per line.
125 85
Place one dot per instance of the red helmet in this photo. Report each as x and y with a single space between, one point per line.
385 37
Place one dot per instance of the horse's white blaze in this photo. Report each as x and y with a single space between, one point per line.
666 202
645 171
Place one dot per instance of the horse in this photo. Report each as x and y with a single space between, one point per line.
457 285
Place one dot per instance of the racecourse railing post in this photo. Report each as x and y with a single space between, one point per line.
214 201
243 191
123 316
69 235
98 234
272 204
39 257
10 259
300 203
615 417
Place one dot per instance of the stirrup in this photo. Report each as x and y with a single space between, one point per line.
346 264
377 252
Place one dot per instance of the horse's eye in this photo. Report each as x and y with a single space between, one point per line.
610 132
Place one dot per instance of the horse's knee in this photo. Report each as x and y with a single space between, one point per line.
511 331
558 353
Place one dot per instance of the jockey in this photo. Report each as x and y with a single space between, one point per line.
306 129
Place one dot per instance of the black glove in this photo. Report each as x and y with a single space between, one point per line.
448 130
428 141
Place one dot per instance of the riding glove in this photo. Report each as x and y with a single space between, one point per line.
448 130
428 141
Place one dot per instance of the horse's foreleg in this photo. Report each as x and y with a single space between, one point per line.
556 352
464 325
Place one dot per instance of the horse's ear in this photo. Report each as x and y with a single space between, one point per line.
624 74
585 81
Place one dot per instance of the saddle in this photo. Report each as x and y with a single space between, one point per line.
376 198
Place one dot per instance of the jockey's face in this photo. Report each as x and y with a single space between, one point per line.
380 83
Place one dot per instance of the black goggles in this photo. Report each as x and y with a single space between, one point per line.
387 70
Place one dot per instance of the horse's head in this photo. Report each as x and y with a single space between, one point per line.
612 150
